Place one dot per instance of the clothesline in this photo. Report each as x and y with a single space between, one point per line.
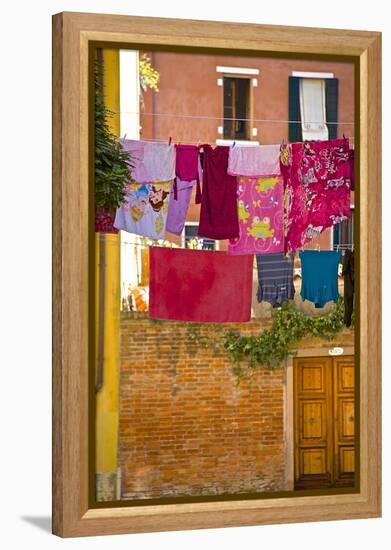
207 117
200 142
175 245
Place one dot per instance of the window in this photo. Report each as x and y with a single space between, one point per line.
313 106
236 110
191 240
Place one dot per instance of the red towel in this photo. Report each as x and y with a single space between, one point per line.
199 285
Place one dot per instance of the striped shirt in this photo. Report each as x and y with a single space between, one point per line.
275 277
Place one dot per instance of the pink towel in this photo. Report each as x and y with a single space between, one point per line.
199 285
254 160
260 211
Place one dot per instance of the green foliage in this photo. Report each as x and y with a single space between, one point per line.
270 348
113 165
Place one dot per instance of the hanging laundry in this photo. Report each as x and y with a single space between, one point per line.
275 276
199 285
319 270
188 166
150 161
348 288
351 167
219 213
317 188
178 207
260 212
253 161
145 209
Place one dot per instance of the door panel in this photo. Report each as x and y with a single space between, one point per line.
313 423
344 406
324 422
312 378
313 462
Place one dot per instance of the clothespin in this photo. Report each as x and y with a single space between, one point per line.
318 247
233 145
169 140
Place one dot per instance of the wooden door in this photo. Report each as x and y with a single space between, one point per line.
324 422
344 424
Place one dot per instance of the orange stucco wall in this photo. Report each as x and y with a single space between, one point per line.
188 86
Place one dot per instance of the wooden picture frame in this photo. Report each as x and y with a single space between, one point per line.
72 35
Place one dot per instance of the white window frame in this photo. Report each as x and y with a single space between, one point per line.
233 71
306 74
240 141
237 70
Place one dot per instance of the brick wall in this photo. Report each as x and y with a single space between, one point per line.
186 426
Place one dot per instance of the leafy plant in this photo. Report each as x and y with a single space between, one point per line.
270 348
113 164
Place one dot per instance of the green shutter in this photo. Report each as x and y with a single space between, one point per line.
294 128
332 106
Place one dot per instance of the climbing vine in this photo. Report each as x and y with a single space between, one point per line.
270 348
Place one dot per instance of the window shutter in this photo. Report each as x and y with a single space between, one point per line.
294 128
332 106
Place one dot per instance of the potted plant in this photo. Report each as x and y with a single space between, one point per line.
113 165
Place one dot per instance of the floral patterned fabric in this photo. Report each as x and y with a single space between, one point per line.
104 222
317 188
145 209
260 211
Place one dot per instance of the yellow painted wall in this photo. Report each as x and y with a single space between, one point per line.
111 87
107 397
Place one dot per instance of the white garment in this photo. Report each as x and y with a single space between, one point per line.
254 161
152 161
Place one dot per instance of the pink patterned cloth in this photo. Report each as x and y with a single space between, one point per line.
104 222
254 160
317 188
260 212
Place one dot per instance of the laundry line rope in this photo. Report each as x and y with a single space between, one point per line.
207 117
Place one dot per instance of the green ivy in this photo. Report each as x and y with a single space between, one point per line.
270 348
